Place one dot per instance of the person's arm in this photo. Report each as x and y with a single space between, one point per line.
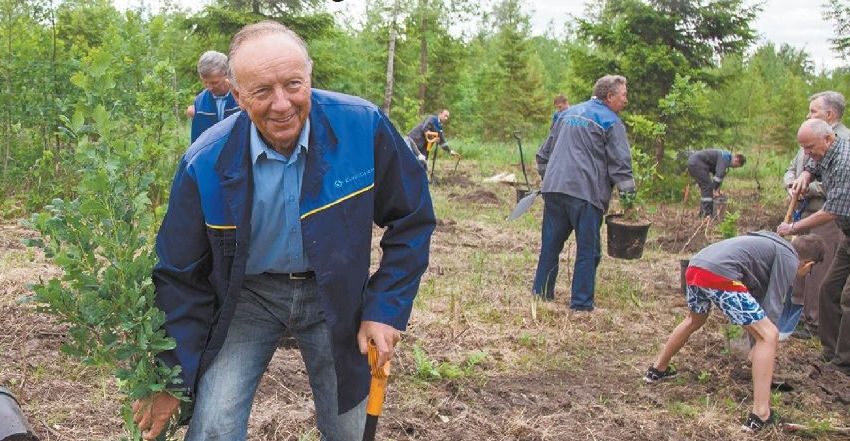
720 171
791 171
782 274
183 292
544 152
620 159
403 208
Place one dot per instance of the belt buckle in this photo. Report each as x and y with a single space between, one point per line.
297 276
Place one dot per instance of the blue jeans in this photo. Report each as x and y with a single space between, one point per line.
561 215
268 305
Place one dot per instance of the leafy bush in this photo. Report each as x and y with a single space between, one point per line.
103 241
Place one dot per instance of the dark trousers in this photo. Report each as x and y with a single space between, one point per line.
706 188
807 288
834 308
561 215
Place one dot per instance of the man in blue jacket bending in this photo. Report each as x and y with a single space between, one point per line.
215 102
269 228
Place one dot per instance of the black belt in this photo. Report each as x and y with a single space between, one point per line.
299 276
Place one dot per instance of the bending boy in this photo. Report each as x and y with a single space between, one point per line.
746 277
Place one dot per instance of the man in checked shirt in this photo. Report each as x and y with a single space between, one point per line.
830 161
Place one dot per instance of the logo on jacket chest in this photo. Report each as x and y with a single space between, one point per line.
361 178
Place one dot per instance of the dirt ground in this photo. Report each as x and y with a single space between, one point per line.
476 363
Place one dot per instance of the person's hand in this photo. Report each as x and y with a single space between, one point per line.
801 185
153 412
784 229
717 193
190 111
384 336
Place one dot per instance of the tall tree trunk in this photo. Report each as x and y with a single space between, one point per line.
388 92
423 55
7 129
53 88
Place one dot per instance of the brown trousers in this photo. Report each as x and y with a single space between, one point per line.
834 310
807 288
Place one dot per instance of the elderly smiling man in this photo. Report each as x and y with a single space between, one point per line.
269 228
830 161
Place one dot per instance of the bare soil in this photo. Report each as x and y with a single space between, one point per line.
548 375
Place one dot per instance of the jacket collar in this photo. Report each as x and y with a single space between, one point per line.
322 140
237 180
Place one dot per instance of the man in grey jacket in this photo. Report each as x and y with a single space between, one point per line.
746 277
585 154
704 163
827 106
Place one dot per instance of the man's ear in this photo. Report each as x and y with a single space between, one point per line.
235 92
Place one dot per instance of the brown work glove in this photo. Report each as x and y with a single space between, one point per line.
153 412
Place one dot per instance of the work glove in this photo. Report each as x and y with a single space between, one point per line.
423 161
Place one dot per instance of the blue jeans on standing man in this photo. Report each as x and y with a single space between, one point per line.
561 215
268 305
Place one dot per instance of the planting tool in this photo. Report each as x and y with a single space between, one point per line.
525 198
524 204
789 215
431 138
377 388
522 160
791 206
794 427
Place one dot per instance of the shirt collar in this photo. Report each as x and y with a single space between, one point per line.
832 152
259 147
220 97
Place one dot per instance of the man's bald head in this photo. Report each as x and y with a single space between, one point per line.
262 29
815 136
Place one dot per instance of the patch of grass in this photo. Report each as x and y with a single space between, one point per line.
428 369
684 409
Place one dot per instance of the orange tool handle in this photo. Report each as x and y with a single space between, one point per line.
378 386
791 206
431 138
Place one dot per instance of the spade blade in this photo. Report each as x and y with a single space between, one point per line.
524 204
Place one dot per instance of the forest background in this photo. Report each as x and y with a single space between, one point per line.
696 77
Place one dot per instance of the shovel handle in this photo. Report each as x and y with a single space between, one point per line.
378 385
791 206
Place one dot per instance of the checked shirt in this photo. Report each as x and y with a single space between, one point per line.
834 171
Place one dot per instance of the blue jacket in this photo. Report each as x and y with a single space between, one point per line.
359 171
586 154
206 113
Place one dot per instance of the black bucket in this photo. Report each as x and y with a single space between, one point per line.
521 193
625 241
13 424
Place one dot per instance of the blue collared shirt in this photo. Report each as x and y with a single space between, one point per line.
220 101
276 243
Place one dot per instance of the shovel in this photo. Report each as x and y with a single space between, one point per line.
377 388
524 204
793 427
522 164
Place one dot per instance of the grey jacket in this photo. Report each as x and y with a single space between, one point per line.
815 195
763 261
716 161
586 154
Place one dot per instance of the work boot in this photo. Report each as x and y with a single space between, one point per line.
706 208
